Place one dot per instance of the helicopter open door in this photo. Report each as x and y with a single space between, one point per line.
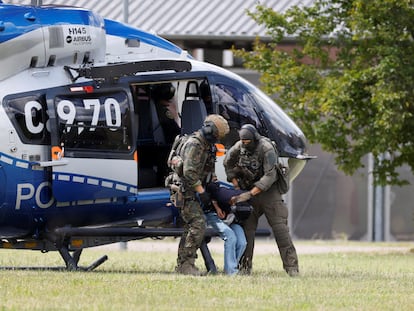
93 155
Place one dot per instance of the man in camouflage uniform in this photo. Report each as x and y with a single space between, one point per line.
199 156
251 165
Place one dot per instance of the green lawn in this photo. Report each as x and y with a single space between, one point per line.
132 280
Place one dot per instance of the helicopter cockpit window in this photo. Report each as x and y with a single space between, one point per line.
96 122
29 116
235 105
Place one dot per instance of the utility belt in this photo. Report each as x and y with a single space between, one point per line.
179 193
179 196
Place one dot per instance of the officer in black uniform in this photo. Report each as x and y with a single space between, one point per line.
251 165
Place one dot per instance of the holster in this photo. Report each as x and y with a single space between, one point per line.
177 198
176 190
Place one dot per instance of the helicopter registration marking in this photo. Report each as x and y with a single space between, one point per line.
73 112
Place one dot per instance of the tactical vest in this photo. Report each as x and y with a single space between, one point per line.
252 165
210 163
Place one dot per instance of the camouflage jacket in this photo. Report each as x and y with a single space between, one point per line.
199 157
252 169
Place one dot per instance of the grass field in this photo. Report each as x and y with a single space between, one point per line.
374 277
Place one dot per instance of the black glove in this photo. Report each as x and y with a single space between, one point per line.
205 200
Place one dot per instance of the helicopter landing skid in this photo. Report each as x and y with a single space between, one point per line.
72 260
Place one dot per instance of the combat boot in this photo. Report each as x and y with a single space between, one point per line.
245 266
293 272
244 271
188 269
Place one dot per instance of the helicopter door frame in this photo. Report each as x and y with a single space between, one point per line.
93 149
157 125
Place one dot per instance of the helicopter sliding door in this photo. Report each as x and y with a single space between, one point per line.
92 151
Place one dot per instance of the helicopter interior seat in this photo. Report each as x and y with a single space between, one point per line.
193 109
193 113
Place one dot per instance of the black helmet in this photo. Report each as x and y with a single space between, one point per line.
248 131
164 91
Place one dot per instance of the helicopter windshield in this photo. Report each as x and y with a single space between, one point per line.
240 102
282 129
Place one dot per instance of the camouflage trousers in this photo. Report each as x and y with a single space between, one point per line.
194 229
275 210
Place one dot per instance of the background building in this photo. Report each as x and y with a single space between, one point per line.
324 203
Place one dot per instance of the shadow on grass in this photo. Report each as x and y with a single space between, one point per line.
258 274
84 270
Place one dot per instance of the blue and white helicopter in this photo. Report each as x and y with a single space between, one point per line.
86 108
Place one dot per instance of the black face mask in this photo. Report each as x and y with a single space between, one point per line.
250 146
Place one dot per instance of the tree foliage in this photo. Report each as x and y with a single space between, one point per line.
349 83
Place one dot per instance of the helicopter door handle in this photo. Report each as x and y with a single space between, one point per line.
2 26
30 16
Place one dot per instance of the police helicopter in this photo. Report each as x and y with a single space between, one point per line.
89 109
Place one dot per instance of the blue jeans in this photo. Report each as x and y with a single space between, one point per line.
234 241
